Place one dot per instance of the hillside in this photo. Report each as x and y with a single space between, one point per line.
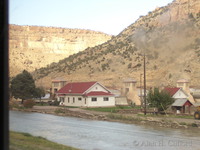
169 36
33 47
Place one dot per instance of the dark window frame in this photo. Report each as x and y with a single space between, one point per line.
105 98
94 99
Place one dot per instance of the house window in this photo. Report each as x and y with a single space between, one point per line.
73 99
68 99
79 98
94 99
105 99
56 84
62 99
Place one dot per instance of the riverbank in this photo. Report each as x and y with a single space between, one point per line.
149 120
25 141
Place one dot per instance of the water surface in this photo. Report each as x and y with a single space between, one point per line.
102 135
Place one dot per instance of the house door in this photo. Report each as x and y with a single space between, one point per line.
85 101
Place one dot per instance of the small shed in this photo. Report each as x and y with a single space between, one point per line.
181 106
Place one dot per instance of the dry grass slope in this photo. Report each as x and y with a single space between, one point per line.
169 39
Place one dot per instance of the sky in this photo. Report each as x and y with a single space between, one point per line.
108 16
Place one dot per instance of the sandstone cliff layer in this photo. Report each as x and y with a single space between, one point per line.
33 47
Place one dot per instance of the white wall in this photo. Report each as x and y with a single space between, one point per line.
179 94
87 101
100 102
121 101
97 87
74 101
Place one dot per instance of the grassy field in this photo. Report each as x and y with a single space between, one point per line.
25 141
110 109
168 116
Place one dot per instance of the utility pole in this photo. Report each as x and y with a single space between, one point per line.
144 86
141 90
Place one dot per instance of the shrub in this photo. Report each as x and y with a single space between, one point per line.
59 110
129 65
54 103
26 134
29 103
194 125
183 123
13 104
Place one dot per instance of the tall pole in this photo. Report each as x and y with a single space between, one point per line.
141 90
144 85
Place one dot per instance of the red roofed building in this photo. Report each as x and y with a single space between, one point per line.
181 103
176 93
85 94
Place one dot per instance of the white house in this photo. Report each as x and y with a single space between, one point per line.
85 94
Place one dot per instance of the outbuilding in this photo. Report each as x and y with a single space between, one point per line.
182 106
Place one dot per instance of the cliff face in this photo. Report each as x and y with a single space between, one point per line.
33 47
169 37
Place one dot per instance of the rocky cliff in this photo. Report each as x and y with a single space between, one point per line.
33 47
169 38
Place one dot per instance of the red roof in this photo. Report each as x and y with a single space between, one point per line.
171 91
98 93
76 87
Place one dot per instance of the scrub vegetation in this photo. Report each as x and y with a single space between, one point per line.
109 109
25 141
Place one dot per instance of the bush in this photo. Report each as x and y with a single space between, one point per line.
59 110
13 104
194 125
29 103
54 103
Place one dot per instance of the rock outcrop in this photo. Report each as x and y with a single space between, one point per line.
33 47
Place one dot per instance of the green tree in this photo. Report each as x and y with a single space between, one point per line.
39 92
159 99
23 86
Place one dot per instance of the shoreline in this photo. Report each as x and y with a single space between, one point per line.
22 140
160 122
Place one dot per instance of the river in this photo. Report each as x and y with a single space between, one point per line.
102 135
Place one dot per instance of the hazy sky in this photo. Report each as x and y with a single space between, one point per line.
108 16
